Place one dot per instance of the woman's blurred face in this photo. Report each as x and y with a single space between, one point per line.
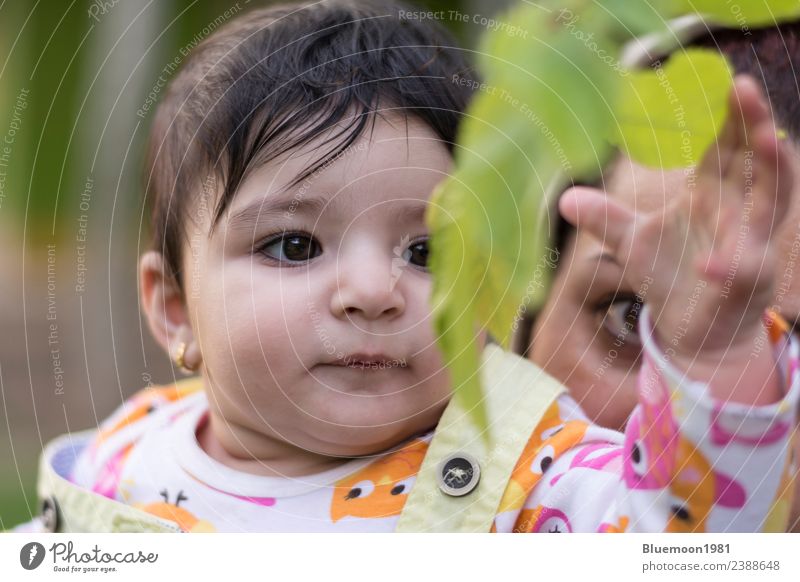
586 334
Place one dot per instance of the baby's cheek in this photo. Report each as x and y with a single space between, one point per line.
246 316
287 317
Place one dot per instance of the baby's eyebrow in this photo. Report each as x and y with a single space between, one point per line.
414 212
262 210
249 216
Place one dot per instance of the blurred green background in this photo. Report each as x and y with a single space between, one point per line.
74 79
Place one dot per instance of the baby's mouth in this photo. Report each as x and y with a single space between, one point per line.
374 365
360 362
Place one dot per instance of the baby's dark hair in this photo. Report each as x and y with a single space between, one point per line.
276 78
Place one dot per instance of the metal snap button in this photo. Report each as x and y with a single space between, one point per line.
459 474
49 514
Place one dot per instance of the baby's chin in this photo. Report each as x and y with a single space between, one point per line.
371 434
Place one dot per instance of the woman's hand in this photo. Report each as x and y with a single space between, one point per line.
708 256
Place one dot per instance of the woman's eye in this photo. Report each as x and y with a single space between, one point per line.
621 318
291 248
417 254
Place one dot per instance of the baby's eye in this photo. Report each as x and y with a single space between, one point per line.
291 247
417 254
621 317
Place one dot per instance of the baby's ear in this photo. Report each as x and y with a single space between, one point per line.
162 303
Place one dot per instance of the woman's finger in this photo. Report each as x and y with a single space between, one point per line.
593 211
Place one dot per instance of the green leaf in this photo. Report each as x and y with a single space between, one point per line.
634 18
741 13
669 117
554 99
544 111
452 298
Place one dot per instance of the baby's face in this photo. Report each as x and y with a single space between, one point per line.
310 304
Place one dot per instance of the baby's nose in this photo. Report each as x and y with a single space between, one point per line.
368 286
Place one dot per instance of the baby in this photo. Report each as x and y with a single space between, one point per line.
291 163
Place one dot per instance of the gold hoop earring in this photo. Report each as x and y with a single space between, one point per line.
179 358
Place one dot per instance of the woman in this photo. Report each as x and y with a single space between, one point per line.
588 285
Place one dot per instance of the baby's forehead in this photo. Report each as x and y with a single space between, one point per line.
392 169
394 149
